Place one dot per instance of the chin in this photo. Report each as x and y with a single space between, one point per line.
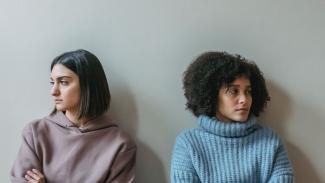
60 108
241 119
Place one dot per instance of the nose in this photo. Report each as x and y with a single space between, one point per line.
243 98
55 90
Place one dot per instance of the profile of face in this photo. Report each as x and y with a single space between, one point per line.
65 89
234 101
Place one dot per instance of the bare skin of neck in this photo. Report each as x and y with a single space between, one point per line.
73 117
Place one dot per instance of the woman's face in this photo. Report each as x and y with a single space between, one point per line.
65 89
234 101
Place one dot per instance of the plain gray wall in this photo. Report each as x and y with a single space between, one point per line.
145 45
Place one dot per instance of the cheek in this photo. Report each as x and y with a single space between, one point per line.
249 105
74 94
229 102
75 98
225 105
250 101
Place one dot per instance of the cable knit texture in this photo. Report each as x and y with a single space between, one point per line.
230 152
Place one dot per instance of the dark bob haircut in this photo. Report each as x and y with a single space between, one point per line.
210 71
94 91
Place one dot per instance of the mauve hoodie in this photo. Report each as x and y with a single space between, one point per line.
96 152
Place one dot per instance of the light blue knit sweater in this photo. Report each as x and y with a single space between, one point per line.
230 152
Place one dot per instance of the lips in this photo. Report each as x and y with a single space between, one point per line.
58 100
242 110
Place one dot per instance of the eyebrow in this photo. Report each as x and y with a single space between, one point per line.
233 85
60 78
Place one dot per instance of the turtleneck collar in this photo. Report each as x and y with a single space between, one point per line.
103 121
228 129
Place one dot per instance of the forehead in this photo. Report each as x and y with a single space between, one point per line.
60 70
241 81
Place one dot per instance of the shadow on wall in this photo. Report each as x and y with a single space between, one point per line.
149 167
304 170
124 111
276 115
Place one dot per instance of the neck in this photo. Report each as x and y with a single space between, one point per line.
74 118
222 119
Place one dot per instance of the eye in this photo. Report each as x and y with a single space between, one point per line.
64 83
249 92
52 82
232 91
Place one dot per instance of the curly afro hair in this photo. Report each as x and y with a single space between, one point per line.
210 71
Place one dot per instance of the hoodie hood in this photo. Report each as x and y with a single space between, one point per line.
100 122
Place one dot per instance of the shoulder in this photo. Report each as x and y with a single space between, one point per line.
126 139
189 136
34 126
122 139
268 134
34 129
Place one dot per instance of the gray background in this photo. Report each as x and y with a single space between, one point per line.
145 45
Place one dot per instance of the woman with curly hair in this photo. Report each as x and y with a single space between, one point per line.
226 93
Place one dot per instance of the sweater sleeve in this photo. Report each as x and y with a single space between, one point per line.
123 169
282 171
182 170
26 158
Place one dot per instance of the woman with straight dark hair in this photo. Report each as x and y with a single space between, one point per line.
77 142
226 93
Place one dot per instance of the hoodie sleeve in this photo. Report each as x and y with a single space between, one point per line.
123 168
26 158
